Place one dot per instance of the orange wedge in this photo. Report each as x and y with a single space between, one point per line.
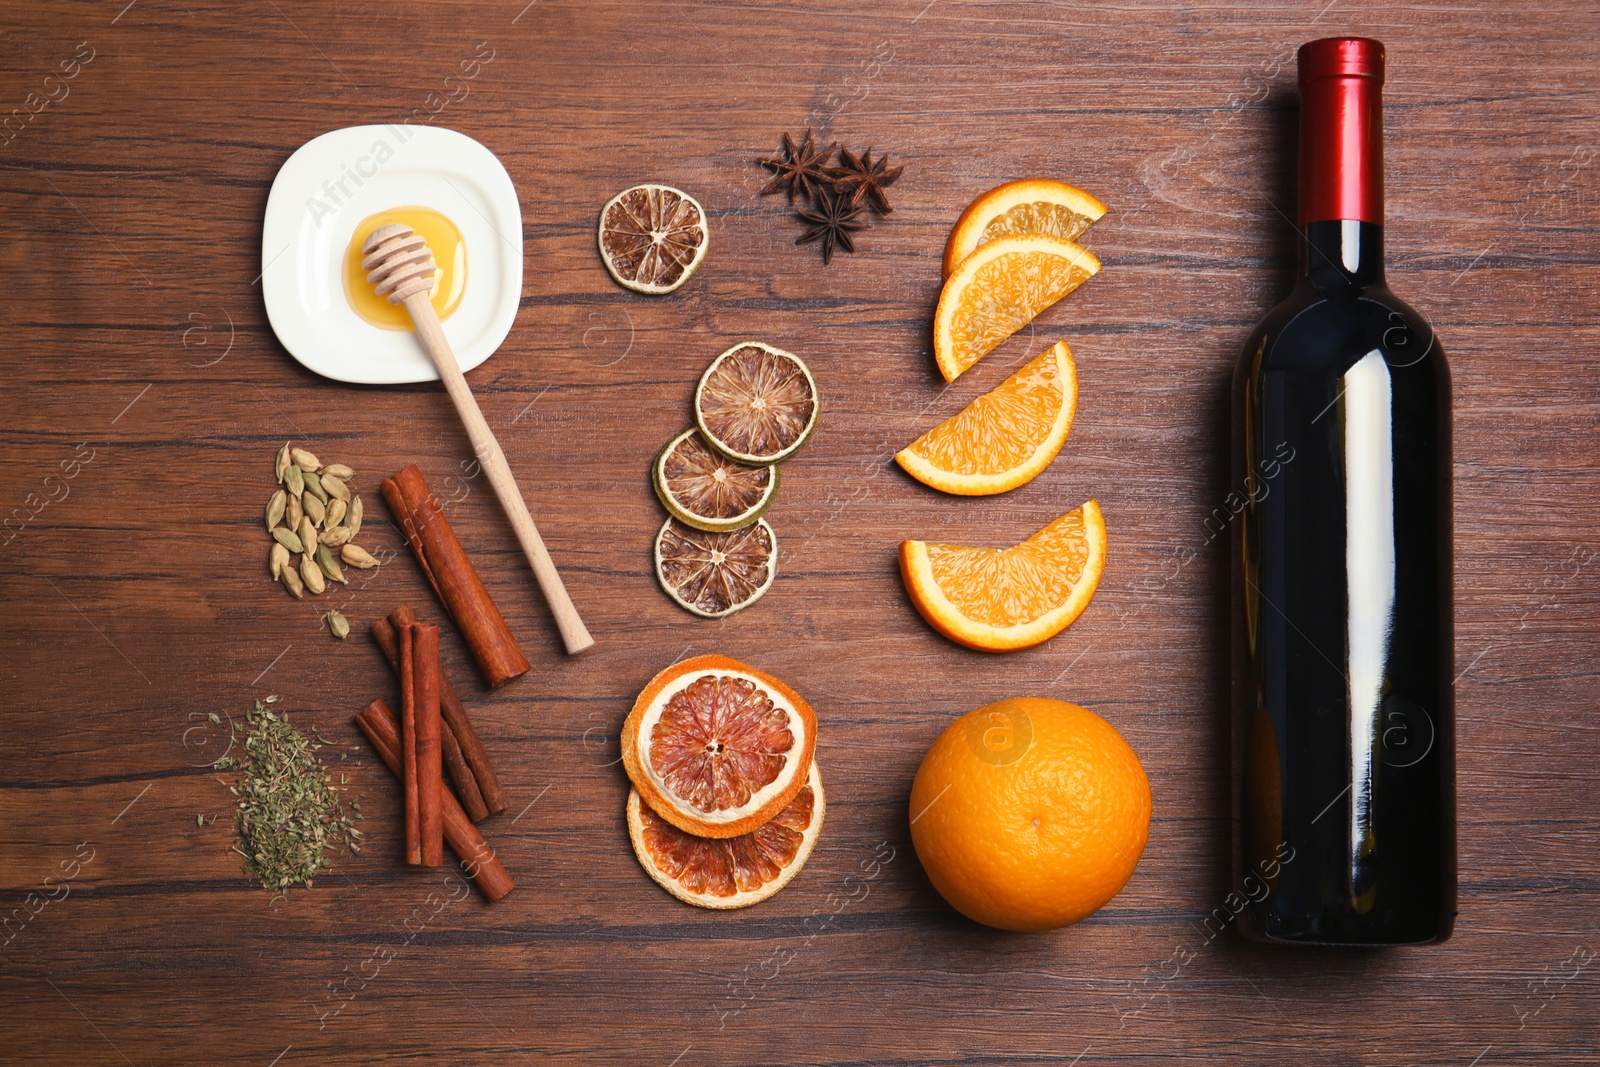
1003 438
998 290
1000 600
1032 205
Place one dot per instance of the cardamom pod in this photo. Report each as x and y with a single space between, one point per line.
338 625
308 534
316 511
311 574
305 460
291 582
334 536
292 513
314 486
329 565
294 480
335 487
357 557
281 466
336 512
277 560
288 539
353 520
275 509
340 471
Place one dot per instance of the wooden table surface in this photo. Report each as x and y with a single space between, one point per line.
138 357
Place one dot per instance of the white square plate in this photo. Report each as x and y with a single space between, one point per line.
333 182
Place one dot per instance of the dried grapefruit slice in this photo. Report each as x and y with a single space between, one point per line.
716 574
999 289
1005 437
716 748
705 489
1000 600
729 872
756 403
652 237
1032 205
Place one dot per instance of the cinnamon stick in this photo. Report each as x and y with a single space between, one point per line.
408 746
430 768
446 566
456 723
477 857
455 717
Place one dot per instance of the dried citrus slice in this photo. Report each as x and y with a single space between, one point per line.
716 748
756 403
1000 600
1032 205
652 237
716 574
998 289
1003 438
729 872
707 490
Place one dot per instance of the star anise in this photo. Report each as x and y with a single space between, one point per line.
864 178
830 220
802 169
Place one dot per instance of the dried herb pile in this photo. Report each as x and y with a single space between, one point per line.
834 197
291 816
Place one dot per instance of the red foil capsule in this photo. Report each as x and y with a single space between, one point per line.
1341 130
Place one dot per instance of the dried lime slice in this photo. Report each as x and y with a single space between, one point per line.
652 237
707 490
716 574
756 403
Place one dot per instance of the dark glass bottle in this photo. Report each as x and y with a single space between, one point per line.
1343 649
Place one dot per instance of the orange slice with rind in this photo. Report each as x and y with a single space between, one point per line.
998 290
729 872
1001 600
1031 205
716 747
1005 437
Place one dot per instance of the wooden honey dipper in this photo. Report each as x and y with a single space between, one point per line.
400 266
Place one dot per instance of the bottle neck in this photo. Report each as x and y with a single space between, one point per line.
1341 131
1341 254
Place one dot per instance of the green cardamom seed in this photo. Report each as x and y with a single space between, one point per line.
306 461
294 480
313 486
291 582
275 507
308 535
281 467
338 625
311 574
288 539
334 486
357 557
292 513
353 520
340 471
336 512
316 511
329 565
277 560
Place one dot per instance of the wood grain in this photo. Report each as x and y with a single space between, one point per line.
144 395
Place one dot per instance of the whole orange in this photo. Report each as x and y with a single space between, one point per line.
1030 814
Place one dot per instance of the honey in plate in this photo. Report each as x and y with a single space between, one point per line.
449 280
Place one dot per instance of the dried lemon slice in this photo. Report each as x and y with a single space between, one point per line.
756 403
652 237
716 574
707 490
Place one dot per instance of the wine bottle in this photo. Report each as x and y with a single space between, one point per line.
1342 631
